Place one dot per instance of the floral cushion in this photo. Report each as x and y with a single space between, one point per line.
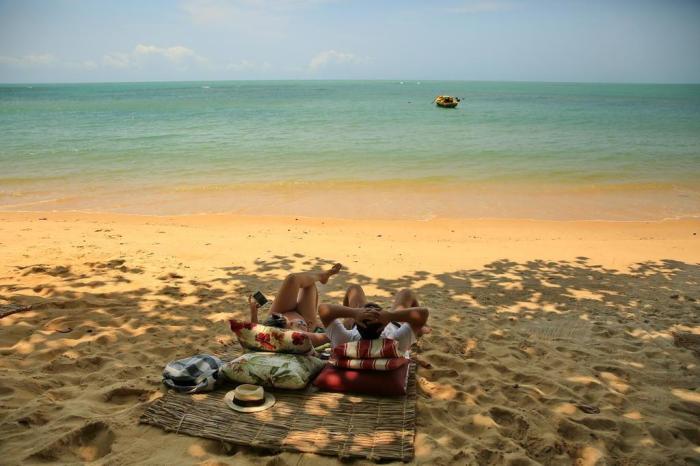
368 349
274 370
260 337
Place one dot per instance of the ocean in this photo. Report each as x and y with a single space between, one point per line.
353 149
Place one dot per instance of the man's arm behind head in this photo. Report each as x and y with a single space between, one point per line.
416 317
329 312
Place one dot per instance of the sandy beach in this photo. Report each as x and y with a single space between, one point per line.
528 169
552 343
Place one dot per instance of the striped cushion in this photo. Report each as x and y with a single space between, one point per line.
368 349
376 364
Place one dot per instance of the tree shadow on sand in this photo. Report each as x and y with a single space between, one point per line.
542 360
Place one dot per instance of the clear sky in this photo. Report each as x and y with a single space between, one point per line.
514 40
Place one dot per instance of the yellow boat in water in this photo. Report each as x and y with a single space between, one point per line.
446 101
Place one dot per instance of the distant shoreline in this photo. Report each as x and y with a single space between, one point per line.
422 80
391 210
380 199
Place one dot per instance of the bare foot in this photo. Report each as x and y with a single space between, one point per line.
332 271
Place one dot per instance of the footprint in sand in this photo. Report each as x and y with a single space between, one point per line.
662 435
571 431
126 395
59 365
35 418
6 391
164 351
618 371
598 423
65 364
215 447
547 450
88 443
512 424
487 456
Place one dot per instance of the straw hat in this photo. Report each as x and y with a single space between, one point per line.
248 398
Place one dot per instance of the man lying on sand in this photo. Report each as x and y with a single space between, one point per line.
405 322
295 305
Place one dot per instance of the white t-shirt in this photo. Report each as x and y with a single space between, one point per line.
339 335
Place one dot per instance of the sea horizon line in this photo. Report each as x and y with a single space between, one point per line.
409 80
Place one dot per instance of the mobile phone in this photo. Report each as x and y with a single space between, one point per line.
260 298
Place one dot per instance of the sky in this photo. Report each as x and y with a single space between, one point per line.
494 40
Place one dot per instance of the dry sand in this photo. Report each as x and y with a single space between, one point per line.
535 323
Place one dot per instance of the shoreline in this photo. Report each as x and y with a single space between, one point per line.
361 200
685 218
233 215
421 203
437 244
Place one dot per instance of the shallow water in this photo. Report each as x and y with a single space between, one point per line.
580 150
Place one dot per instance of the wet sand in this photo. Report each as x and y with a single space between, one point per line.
552 343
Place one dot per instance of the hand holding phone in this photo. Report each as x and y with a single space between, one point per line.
260 298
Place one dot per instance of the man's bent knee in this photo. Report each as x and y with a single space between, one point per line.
354 287
406 297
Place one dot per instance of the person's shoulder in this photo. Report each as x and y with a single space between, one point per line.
355 334
338 334
404 332
392 328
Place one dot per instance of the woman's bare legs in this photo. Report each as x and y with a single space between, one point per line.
307 305
298 293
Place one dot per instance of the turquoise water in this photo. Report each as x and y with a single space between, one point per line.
63 142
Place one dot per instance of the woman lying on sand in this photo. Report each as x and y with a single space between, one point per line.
295 305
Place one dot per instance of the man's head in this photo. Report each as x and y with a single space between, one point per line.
371 330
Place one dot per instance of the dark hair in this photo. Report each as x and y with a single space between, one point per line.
276 320
371 331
